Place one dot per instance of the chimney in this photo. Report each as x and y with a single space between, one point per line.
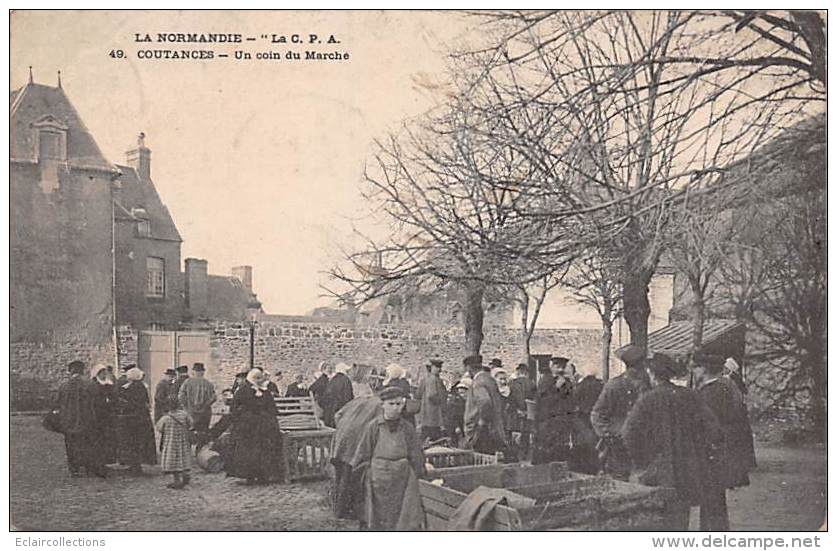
140 158
196 287
245 275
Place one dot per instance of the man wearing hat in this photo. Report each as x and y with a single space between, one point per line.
611 409
522 389
553 414
198 395
75 415
731 469
485 430
390 461
433 394
162 394
670 434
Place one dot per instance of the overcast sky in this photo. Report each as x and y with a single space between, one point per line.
259 162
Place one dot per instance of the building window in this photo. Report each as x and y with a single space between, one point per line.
155 277
49 145
144 228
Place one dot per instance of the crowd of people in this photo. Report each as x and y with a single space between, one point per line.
639 426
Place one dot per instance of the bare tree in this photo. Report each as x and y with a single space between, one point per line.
595 282
620 112
451 200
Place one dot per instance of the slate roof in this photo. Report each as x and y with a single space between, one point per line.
675 339
136 193
33 103
228 298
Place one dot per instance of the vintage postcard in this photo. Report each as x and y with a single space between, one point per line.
484 270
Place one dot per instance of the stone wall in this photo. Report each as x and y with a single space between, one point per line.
37 369
299 347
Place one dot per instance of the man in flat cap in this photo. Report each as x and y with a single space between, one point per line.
730 469
75 415
485 430
670 435
162 394
611 409
433 394
198 395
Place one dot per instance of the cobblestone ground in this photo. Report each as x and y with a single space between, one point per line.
44 497
787 492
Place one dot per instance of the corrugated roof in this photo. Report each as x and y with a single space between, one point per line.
675 339
137 193
36 101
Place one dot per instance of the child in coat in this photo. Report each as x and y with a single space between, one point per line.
175 448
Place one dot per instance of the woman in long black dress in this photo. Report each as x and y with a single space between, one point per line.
137 445
257 447
103 436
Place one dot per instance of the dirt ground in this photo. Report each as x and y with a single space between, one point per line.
787 492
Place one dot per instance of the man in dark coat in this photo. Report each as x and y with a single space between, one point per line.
670 435
733 465
485 431
296 389
162 394
75 415
318 387
182 375
611 409
338 393
585 458
522 389
554 408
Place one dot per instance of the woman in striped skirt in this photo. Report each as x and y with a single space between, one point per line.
175 449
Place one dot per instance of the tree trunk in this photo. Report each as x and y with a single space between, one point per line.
636 308
473 317
607 336
698 314
524 327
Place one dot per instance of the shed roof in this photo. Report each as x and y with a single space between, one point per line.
675 339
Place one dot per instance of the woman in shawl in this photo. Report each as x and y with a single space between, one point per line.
389 461
351 421
257 453
102 436
135 429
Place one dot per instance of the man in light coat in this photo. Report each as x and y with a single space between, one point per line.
433 394
484 428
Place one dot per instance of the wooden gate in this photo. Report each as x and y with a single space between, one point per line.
160 350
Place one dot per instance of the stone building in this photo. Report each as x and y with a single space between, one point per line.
92 248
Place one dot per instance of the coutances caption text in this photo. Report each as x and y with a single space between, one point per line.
234 47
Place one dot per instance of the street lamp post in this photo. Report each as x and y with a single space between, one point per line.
254 318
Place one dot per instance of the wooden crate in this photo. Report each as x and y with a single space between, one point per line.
308 453
550 497
454 457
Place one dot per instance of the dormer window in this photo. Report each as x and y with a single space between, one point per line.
143 224
50 139
144 228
